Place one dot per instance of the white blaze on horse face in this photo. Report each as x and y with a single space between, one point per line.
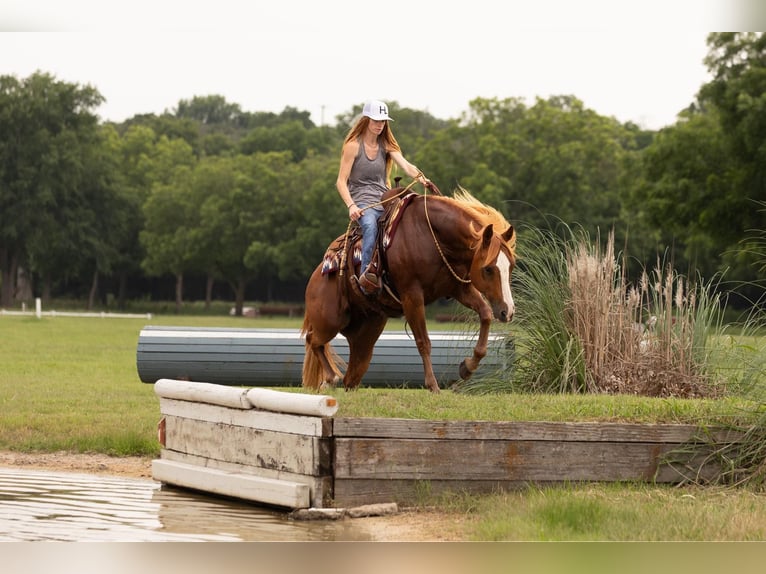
504 265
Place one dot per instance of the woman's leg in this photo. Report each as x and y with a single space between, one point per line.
369 225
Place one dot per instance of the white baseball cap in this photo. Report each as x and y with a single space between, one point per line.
376 110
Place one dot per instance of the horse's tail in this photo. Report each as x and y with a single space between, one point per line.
312 376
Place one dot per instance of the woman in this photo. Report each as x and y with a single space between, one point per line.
369 152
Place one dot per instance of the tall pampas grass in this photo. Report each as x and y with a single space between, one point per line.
582 327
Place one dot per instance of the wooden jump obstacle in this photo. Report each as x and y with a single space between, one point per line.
289 449
274 357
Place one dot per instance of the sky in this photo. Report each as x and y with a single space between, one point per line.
638 61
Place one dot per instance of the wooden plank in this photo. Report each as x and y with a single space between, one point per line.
320 487
253 418
501 460
266 449
356 491
247 487
394 428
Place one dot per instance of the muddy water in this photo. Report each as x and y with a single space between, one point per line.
55 506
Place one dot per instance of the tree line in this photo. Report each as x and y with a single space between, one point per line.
220 202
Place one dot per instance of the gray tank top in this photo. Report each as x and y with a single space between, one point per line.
367 180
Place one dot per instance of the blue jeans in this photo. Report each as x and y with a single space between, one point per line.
369 224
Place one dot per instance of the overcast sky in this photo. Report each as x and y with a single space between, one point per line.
636 61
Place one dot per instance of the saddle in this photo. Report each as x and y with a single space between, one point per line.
387 225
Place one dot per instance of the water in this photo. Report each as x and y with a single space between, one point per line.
58 506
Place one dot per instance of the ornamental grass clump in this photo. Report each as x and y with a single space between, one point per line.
583 328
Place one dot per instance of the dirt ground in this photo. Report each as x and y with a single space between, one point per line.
406 526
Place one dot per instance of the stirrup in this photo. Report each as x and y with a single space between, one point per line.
369 283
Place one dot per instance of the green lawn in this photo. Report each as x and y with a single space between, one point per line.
71 384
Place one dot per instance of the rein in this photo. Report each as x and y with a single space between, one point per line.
439 248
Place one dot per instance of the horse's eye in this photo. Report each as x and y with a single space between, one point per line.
489 271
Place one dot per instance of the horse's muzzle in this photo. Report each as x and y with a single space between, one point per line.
503 313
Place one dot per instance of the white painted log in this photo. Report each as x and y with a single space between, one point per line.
234 397
295 403
246 487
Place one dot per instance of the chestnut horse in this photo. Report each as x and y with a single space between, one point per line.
454 247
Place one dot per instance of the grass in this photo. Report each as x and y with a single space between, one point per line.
71 384
413 403
611 512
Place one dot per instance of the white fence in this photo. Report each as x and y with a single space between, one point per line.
39 313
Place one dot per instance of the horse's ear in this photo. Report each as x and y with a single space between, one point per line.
508 234
487 236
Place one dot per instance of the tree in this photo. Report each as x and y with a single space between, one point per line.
243 205
678 201
316 215
704 178
554 161
209 110
171 217
737 61
47 131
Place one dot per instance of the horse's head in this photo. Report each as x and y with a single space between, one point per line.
491 270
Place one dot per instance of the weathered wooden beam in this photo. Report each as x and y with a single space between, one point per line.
320 486
394 428
247 487
499 460
253 418
297 453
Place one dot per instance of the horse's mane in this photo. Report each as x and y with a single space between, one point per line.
483 214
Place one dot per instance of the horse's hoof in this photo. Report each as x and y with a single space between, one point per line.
350 386
465 374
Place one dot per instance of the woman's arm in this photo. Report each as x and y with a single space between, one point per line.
407 167
347 156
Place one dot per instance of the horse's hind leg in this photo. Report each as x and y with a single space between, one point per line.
326 313
330 374
361 342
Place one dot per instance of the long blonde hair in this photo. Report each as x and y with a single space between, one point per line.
387 135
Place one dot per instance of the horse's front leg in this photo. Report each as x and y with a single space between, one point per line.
415 313
469 365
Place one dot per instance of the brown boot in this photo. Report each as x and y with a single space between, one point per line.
369 283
